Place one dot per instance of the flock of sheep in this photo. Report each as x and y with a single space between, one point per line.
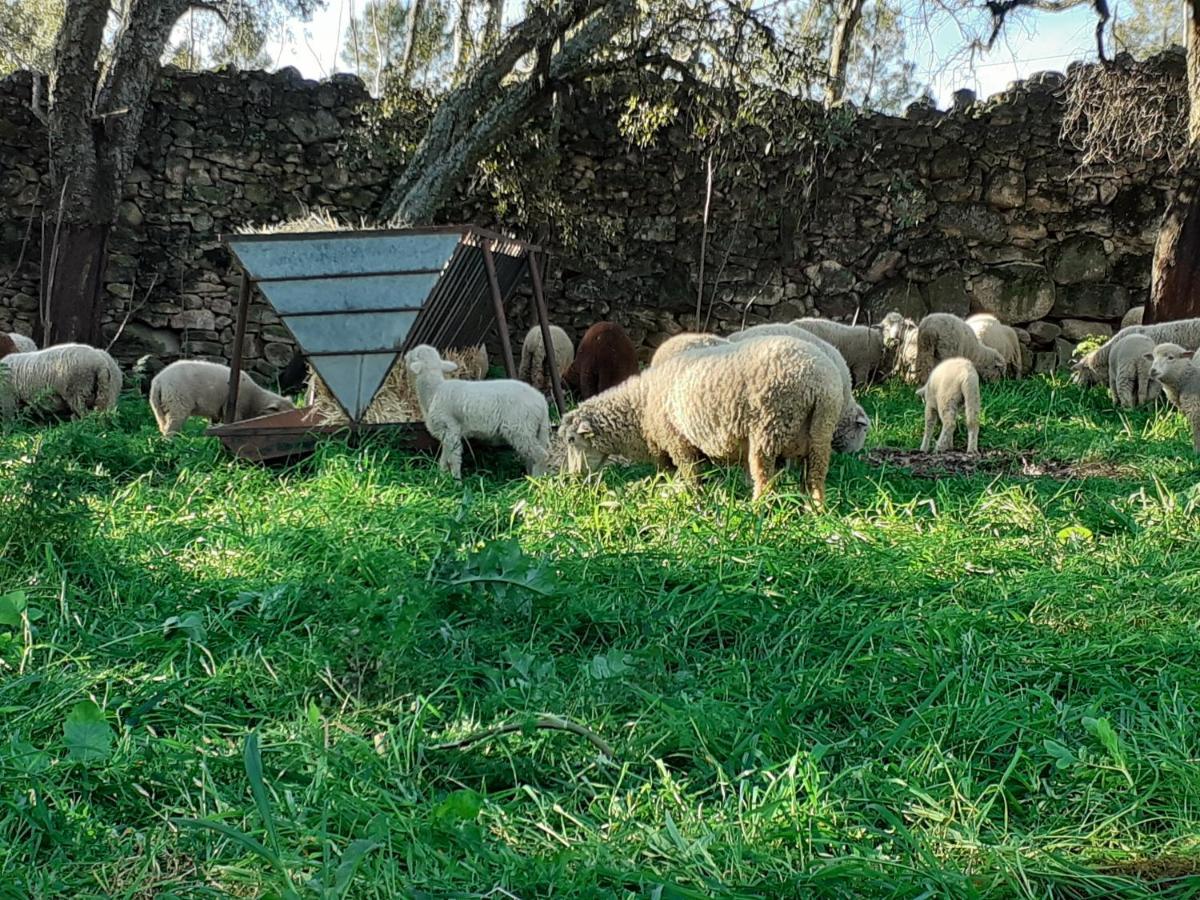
758 397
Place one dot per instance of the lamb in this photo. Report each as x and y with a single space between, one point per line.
681 343
1129 382
1093 367
604 359
853 424
1174 368
944 336
993 333
192 387
498 410
532 369
952 386
75 376
23 344
749 402
860 345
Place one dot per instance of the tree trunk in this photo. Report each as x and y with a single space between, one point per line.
493 23
462 40
409 63
1175 274
72 284
848 15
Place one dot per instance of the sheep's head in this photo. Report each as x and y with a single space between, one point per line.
7 345
578 433
1168 360
278 404
992 365
851 433
894 327
424 358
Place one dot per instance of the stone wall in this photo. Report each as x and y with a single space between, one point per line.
976 208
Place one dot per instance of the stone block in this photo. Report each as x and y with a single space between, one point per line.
1006 190
1081 259
1091 301
1078 329
1043 333
1018 292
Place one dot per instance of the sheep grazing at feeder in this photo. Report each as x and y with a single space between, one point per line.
192 387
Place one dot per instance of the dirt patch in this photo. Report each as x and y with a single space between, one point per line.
992 462
1163 868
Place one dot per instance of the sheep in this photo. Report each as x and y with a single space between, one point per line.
75 376
192 387
853 424
900 345
944 336
1129 382
532 369
1133 317
748 402
23 344
680 343
1173 367
952 386
7 345
1093 367
605 357
498 410
860 345
993 333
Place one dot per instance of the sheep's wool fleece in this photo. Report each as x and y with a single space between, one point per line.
396 400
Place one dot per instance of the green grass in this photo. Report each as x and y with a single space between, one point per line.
983 685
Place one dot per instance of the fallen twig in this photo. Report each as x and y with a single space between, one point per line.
551 723
132 310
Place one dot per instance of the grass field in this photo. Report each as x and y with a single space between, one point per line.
221 679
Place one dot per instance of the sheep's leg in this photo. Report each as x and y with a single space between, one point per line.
762 467
531 453
930 421
1194 421
171 425
972 417
816 464
945 440
450 458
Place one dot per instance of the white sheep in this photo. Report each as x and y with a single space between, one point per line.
681 343
502 410
1174 368
1129 381
953 386
1133 317
23 344
1093 367
900 343
71 376
853 423
532 368
193 387
1002 338
860 345
944 336
748 403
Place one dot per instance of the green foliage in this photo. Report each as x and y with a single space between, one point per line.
983 684
374 43
27 32
1145 27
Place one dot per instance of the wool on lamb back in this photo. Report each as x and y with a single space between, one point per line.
860 345
953 387
943 336
681 343
1002 338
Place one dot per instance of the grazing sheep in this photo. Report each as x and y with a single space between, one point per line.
853 423
944 336
23 344
860 345
750 402
72 376
993 333
1092 368
605 358
900 345
681 343
192 387
532 369
1133 317
499 410
1129 381
952 386
1173 367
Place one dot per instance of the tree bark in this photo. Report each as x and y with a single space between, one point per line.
408 63
493 23
1175 273
848 16
462 40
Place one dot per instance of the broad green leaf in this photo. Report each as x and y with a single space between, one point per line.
12 605
1063 758
1102 731
87 734
1075 534
189 624
459 806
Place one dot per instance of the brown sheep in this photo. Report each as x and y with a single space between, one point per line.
605 358
7 345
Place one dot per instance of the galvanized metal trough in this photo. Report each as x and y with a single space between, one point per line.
356 301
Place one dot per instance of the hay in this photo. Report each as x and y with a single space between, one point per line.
396 400
311 220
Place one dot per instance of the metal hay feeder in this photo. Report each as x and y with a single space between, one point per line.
356 301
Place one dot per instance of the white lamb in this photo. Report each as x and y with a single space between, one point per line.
854 423
748 403
944 336
860 345
532 368
1175 369
502 410
953 386
1093 367
71 376
23 344
192 387
993 333
1129 381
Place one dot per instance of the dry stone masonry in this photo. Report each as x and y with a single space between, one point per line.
979 208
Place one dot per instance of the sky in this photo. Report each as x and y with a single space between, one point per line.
1038 42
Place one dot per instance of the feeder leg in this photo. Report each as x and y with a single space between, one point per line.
489 263
235 361
539 299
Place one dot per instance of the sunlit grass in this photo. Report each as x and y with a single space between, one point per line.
983 684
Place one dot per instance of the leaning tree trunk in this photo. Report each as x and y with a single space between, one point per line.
848 15
409 63
1175 274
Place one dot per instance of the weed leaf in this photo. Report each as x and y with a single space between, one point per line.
254 772
87 734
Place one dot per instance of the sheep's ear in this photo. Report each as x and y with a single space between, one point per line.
1149 356
448 366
